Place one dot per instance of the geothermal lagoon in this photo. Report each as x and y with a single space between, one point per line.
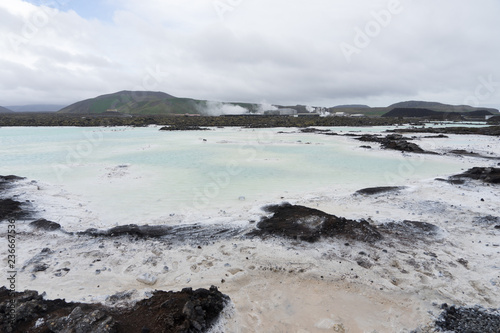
196 199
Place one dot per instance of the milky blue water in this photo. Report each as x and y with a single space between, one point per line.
120 169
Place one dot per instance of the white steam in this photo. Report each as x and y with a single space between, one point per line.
218 108
263 107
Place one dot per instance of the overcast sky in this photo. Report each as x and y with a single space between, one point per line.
316 52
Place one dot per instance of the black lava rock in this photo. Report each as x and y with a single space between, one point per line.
43 224
310 225
469 320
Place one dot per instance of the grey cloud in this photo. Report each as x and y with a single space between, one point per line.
277 51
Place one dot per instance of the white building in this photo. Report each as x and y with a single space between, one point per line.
287 112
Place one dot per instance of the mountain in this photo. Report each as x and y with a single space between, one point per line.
5 110
410 105
434 106
422 112
123 101
36 108
149 102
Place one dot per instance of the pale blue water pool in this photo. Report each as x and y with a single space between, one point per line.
124 169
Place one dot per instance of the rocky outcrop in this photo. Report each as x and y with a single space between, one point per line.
10 208
316 130
473 319
189 233
185 311
463 152
310 225
487 175
409 230
43 224
395 142
8 181
379 190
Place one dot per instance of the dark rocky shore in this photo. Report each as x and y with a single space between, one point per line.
379 190
186 311
310 225
468 320
10 208
182 122
395 142
484 174
185 233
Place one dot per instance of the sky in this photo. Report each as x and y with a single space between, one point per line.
316 52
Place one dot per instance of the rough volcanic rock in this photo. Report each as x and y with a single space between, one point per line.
194 232
469 320
451 181
487 220
487 175
131 230
314 130
10 208
46 225
310 225
183 312
462 152
402 145
79 320
410 230
380 189
6 181
439 136
394 142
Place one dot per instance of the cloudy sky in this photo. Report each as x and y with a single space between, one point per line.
316 52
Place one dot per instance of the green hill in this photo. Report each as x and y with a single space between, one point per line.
146 102
5 110
149 103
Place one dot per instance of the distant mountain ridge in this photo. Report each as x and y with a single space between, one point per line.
160 103
5 110
415 105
